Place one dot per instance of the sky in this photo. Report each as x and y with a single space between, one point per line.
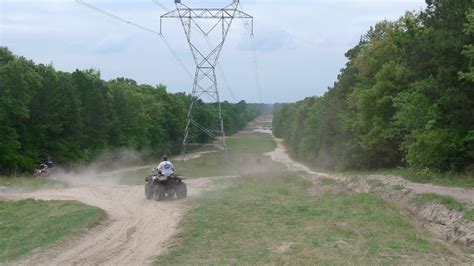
300 44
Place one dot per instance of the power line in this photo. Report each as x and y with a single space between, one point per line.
156 2
257 72
115 17
170 48
173 52
254 57
226 82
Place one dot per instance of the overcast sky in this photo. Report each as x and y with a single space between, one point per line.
300 43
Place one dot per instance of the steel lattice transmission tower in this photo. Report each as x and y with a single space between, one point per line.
199 24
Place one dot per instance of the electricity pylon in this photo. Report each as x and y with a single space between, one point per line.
198 25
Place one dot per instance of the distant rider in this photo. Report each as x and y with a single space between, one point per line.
165 168
41 171
49 162
43 168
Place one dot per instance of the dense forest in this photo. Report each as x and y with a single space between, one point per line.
75 117
404 98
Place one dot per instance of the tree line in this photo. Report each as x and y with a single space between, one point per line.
404 98
77 116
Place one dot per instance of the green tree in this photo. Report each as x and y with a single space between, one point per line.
96 111
469 48
404 97
19 82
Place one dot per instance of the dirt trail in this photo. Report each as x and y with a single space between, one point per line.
280 155
465 195
135 232
461 194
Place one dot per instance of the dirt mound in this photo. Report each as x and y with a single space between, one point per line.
447 223
444 222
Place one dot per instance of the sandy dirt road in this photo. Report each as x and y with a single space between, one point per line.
280 155
136 229
465 195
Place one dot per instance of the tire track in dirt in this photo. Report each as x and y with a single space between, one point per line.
136 229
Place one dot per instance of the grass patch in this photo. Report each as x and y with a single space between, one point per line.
469 215
272 219
328 182
250 144
357 178
397 187
245 155
375 183
447 201
28 183
28 225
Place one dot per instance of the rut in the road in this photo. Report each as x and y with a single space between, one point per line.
136 230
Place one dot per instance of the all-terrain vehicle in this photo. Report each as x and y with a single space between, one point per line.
42 172
160 187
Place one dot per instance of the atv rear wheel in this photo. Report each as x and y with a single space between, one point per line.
149 191
160 192
181 190
170 194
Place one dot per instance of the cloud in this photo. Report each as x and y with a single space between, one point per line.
301 43
113 44
269 40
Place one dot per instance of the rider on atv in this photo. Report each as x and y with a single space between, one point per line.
45 167
165 168
49 162
165 185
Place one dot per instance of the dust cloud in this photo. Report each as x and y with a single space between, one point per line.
136 230
111 168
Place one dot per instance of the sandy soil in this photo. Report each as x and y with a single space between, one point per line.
136 229
465 195
280 155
